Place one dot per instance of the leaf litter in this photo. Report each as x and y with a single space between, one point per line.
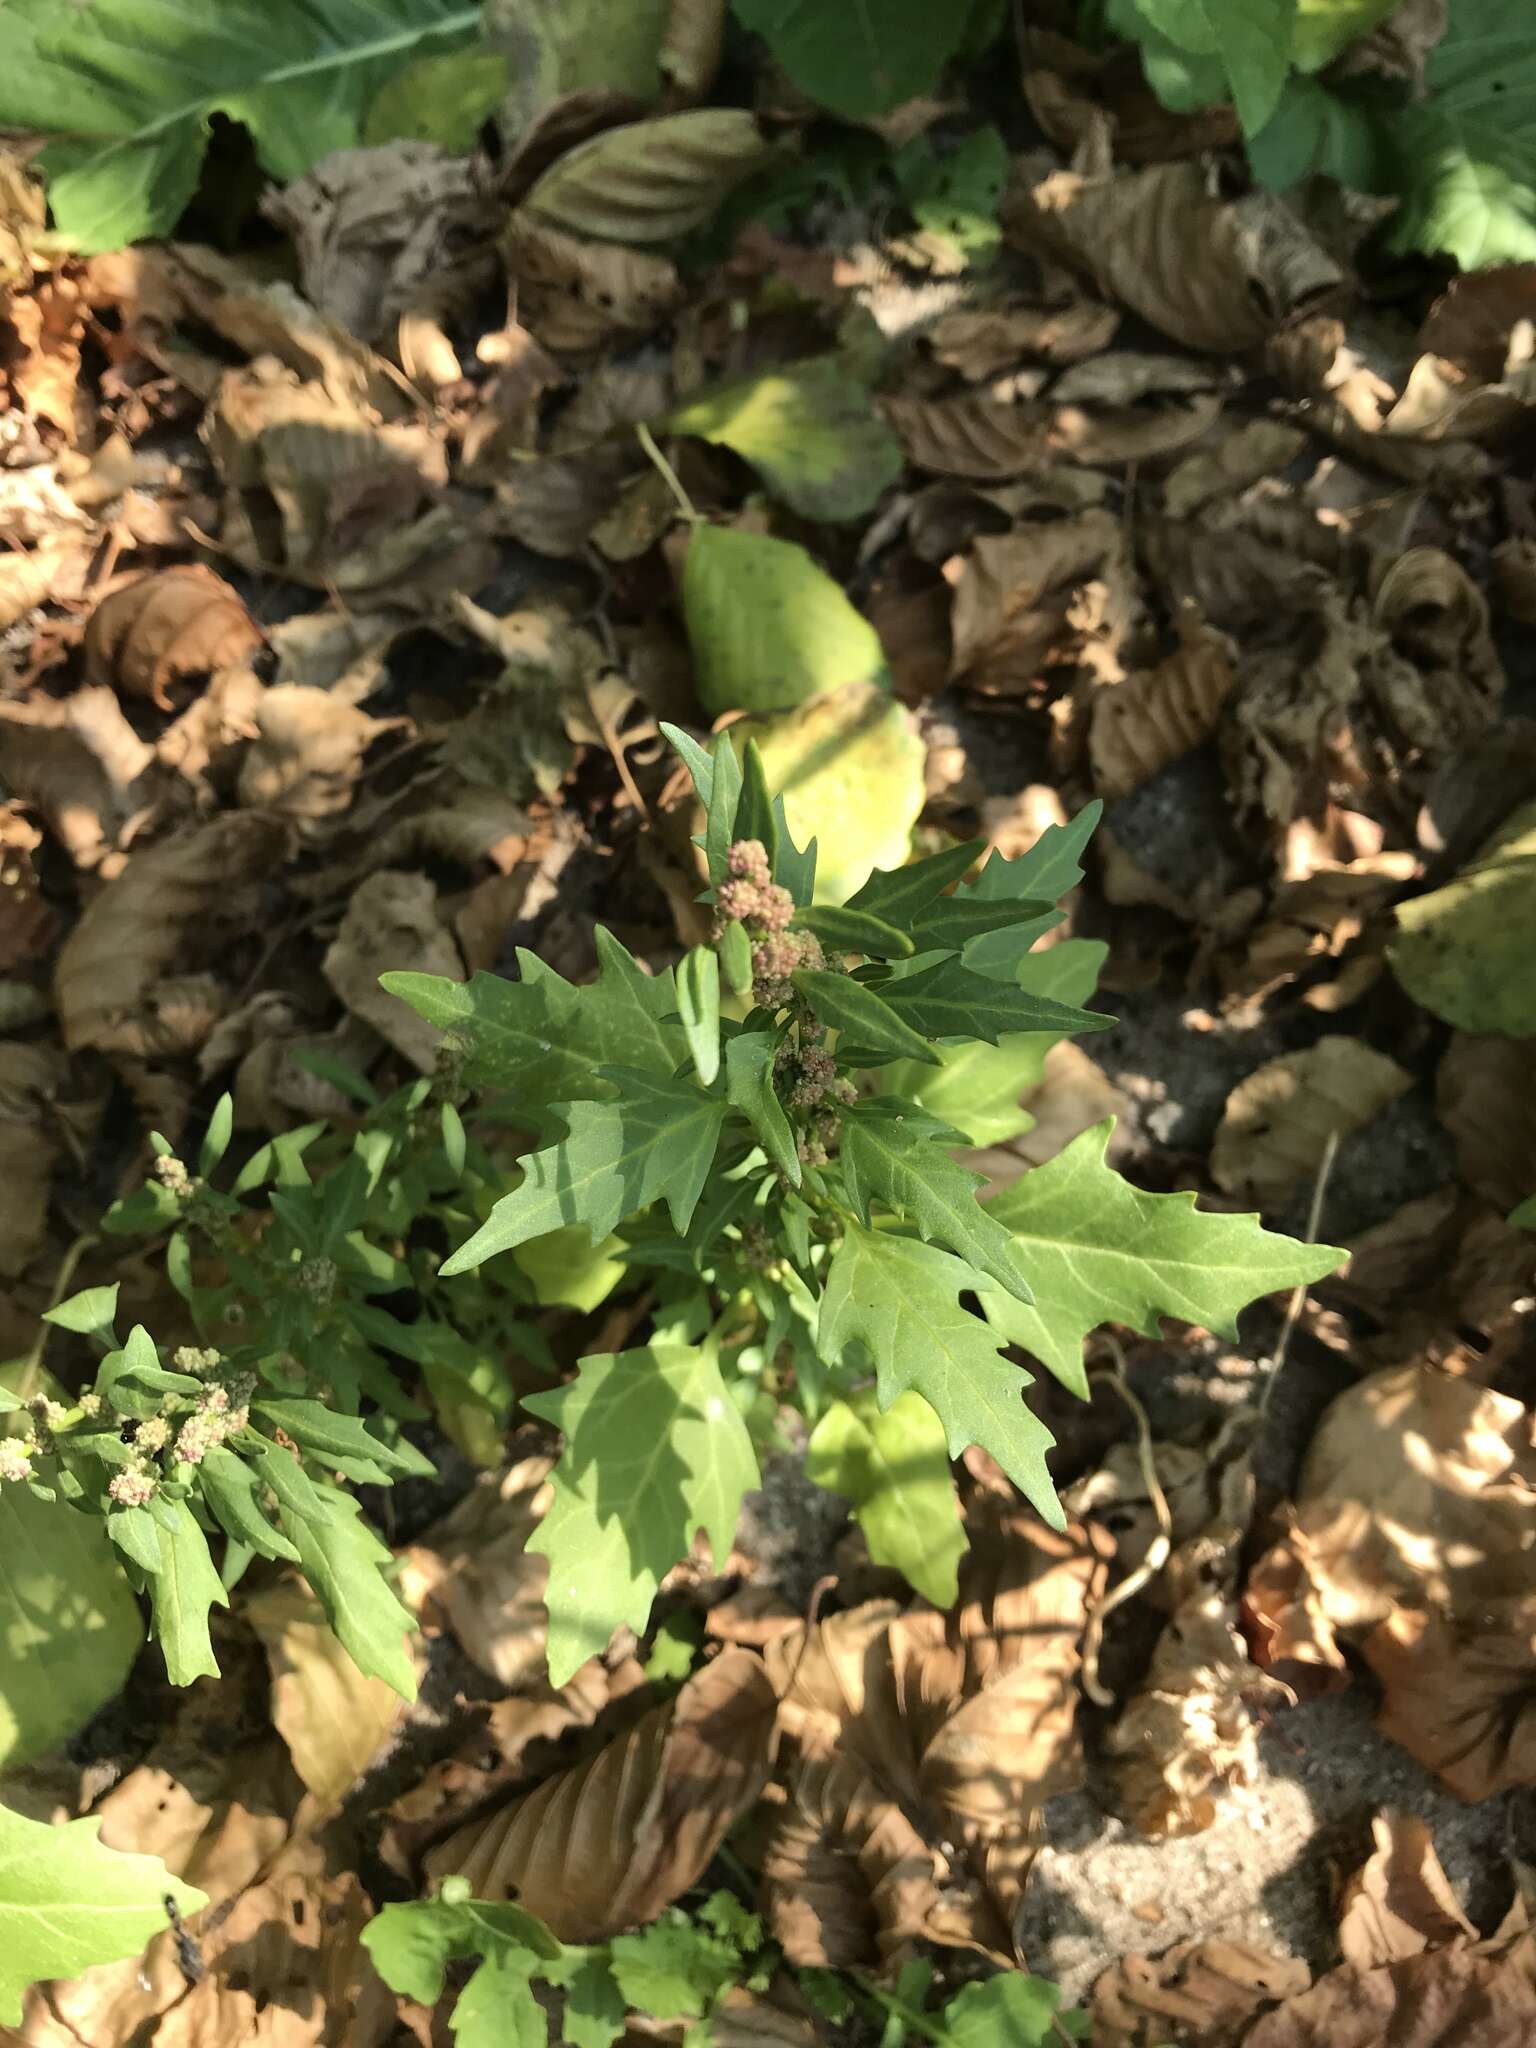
343 604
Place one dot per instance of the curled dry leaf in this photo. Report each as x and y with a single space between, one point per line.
1276 1125
1436 615
1257 448
1211 273
1019 600
1456 1694
611 1842
1202 1994
846 1872
30 1077
575 294
333 1718
474 1569
1337 909
1400 1902
308 752
181 896
392 922
1480 1993
78 761
165 628
1156 715
985 438
1485 1092
650 181
982 345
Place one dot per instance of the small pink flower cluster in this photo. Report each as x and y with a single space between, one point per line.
215 1421
133 1486
775 959
15 1458
753 898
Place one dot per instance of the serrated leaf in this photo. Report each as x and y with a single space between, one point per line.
655 1449
854 931
1052 866
653 180
698 1005
899 894
673 1969
341 1442
951 1000
810 430
768 628
1098 1251
229 1488
131 92
894 1467
1012 2007
855 60
954 921
595 2008
900 1301
67 1904
1466 150
342 1557
749 1087
545 1040
1251 39
497 2007
902 1157
183 1587
412 1944
865 1019
656 1143
91 1313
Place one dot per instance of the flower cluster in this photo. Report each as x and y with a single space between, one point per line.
15 1458
751 897
172 1173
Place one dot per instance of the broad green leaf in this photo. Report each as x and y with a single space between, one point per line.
413 1944
655 1449
595 2008
849 768
768 628
341 1442
69 1624
958 921
855 59
698 1005
445 99
855 931
1098 1251
1464 951
1466 150
736 958
755 816
1012 2008
1318 132
657 1142
900 1301
955 193
951 1000
674 1969
90 1313
568 1270
67 1904
1324 29
1052 866
899 893
1250 38
544 1040
129 89
181 1590
901 1157
749 1087
894 1467
497 2007
811 432
342 1557
866 1020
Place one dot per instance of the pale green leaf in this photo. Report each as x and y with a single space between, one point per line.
673 1969
1465 951
543 1039
902 1158
810 430
656 1143
768 628
412 1944
69 1624
1012 2008
951 1000
955 193
848 769
655 1449
568 1270
129 89
1324 29
595 2008
894 1467
1466 149
871 1028
698 1005
228 1487
1250 38
749 1087
497 2008
900 1301
1098 1250
182 1588
67 1904
90 1313
444 99
854 58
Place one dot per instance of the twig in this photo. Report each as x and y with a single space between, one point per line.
1157 1551
1297 1302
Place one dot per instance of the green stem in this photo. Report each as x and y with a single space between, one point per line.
897 2008
674 482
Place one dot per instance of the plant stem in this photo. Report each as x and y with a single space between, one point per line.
674 482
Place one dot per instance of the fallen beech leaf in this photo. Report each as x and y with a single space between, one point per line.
609 1843
1456 1693
1461 951
476 1570
846 1871
30 1078
1485 1092
333 1718
1436 614
79 762
1019 598
574 294
391 922
1213 274
1471 322
1276 1125
650 181
1257 448
1316 919
1400 1902
984 344
190 889
169 626
1155 716
308 752
986 438
1451 1998
1201 1994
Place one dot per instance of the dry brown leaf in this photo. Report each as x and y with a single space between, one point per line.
744 2020
1202 1994
1470 324
1481 1996
986 438
392 922
983 345
307 753
1400 1901
43 370
201 745
1074 92
1457 1694
165 628
1256 449
1514 578
1214 274
333 1718
1485 1092
1276 1125
1319 918
30 1142
1024 597
1435 614
475 1571
182 895
50 569
27 924
78 761
609 1843
650 181
1156 715
1112 435
575 295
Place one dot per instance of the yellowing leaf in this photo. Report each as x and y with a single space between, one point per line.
650 181
1465 951
895 1469
568 1270
332 1718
